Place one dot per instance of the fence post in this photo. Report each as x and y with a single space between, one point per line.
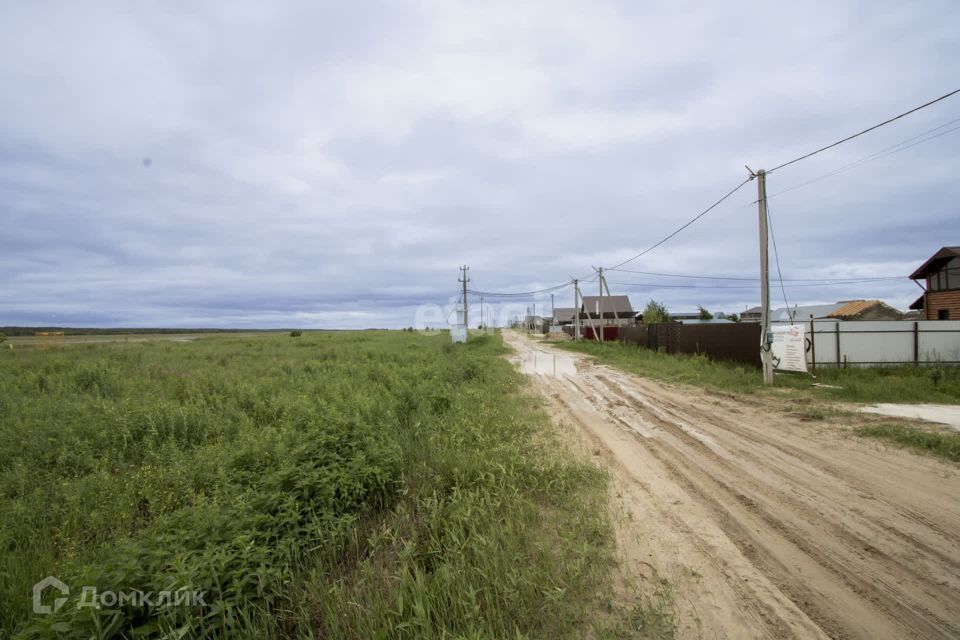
813 349
837 330
916 342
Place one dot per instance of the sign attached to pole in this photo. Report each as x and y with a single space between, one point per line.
788 349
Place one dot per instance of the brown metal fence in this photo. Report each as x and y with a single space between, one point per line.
610 333
735 342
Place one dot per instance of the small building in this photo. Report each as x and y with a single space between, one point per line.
753 314
802 313
613 310
563 316
939 277
679 317
866 310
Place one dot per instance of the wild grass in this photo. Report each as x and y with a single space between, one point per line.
368 484
938 443
939 384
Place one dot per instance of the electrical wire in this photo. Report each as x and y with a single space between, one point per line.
684 226
776 255
512 294
697 217
735 287
867 130
755 279
879 155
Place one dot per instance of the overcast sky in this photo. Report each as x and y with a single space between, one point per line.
277 164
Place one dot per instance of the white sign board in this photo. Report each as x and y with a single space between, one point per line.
788 349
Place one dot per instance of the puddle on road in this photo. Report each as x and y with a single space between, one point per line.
547 364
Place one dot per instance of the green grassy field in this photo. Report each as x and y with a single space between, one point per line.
874 384
348 485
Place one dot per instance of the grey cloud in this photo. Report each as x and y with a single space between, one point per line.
319 165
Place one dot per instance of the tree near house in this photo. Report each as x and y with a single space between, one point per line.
655 312
704 314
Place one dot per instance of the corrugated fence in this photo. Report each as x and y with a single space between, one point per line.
736 342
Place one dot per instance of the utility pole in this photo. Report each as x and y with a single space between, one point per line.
616 316
600 302
576 309
465 280
481 312
765 356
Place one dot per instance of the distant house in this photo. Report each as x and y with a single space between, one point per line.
753 314
866 310
678 317
563 316
801 313
613 310
842 310
939 277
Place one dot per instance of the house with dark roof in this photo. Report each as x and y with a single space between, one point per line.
753 314
613 310
939 277
563 316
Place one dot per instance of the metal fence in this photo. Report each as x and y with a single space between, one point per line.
734 342
834 343
830 343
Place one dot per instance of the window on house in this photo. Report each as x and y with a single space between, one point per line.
943 314
953 278
933 282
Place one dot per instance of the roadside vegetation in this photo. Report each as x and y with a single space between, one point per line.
347 485
937 384
942 444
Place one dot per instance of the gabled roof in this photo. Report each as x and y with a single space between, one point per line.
935 261
856 307
917 304
564 314
608 304
754 310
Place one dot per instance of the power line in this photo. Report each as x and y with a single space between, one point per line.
788 284
755 279
867 130
776 256
507 294
687 224
879 155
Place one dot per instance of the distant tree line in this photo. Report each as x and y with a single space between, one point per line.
73 331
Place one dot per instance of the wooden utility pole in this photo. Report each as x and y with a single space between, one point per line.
465 280
613 307
765 356
481 312
600 303
576 309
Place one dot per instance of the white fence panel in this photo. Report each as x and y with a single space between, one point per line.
880 342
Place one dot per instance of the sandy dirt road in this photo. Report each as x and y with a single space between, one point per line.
764 525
